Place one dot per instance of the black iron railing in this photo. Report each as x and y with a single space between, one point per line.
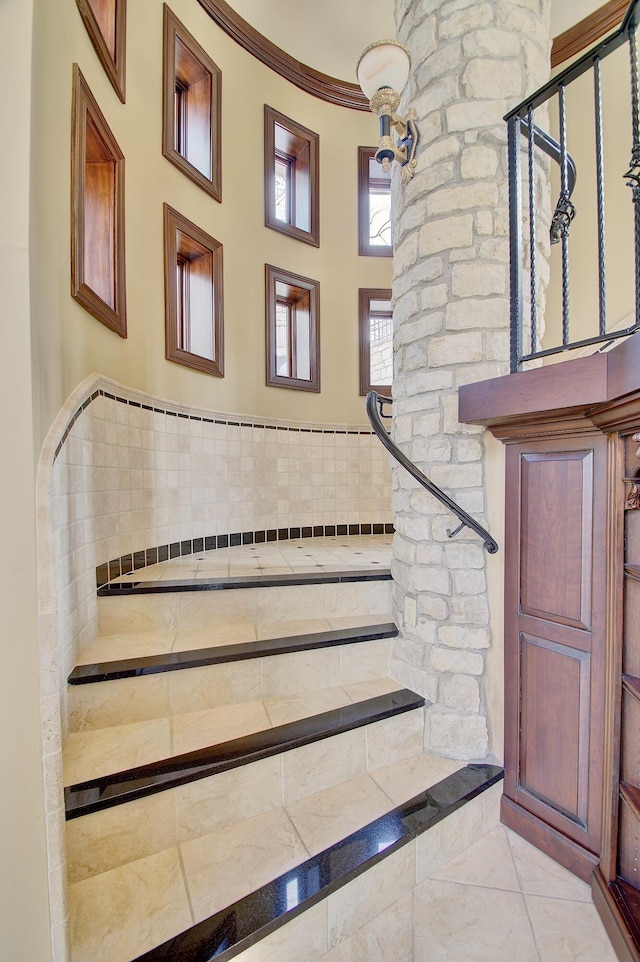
374 403
521 121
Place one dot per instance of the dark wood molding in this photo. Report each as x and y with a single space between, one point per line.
553 843
331 89
208 125
618 921
273 275
586 32
174 224
97 212
365 296
111 51
307 143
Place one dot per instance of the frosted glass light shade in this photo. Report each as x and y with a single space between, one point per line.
383 64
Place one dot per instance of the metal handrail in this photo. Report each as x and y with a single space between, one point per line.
375 401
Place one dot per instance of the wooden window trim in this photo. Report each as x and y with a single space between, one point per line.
366 295
176 253
305 153
111 51
89 212
273 276
365 248
184 75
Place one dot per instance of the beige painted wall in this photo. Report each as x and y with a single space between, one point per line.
24 913
70 343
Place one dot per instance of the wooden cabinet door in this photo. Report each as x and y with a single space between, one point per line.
555 645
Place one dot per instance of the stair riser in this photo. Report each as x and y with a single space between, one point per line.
106 839
176 611
129 700
373 917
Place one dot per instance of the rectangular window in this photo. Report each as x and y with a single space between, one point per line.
193 295
97 217
376 341
293 330
105 21
191 107
374 206
291 183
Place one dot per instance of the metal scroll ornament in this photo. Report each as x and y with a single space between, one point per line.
632 176
562 216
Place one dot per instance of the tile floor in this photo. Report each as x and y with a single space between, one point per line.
502 899
276 557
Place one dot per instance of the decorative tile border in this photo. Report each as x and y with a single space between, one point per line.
229 422
178 549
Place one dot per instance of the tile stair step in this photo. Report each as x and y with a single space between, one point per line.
221 654
258 601
270 678
166 772
221 893
116 589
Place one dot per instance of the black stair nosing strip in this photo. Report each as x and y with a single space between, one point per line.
203 657
119 788
234 929
120 588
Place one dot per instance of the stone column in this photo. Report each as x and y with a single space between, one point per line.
472 62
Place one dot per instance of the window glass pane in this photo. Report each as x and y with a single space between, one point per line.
283 189
379 205
380 345
283 313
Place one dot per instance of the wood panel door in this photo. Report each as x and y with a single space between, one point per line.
555 609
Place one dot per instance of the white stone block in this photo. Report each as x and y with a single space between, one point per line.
470 610
469 582
471 280
429 554
461 554
435 295
464 21
461 636
415 331
428 452
454 660
491 42
466 115
461 197
462 692
456 734
446 149
446 233
478 162
429 381
457 475
430 579
469 450
488 79
436 608
418 276
484 222
476 312
455 349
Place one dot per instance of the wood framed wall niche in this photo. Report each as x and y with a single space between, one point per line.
106 23
97 212
191 107
193 295
375 340
292 330
291 178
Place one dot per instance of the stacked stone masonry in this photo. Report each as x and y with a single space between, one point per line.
472 62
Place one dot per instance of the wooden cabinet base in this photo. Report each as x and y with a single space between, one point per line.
553 843
615 905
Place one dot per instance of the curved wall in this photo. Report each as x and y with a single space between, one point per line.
69 343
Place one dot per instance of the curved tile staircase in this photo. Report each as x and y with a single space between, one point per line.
242 775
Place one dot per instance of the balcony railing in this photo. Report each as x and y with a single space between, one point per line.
526 321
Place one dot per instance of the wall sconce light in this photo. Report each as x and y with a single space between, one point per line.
383 70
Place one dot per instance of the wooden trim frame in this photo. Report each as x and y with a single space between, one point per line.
193 300
587 31
284 139
330 89
97 212
193 141
297 292
106 24
365 247
365 296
